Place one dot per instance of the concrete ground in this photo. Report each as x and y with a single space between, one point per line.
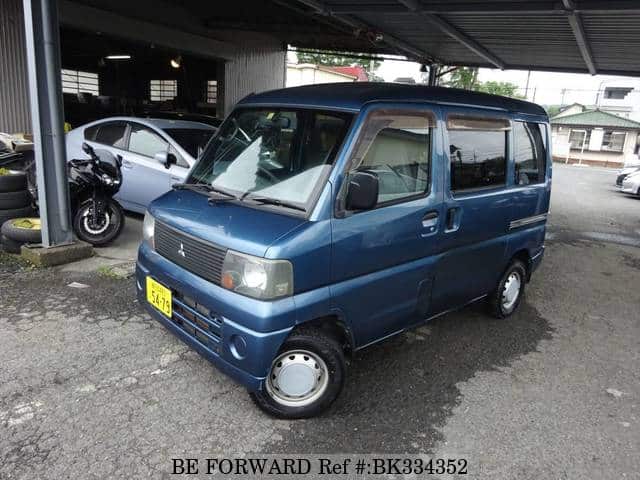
90 387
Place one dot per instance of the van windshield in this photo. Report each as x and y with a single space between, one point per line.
272 153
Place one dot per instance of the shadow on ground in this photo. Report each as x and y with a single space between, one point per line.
398 393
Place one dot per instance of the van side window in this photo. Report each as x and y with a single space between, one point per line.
529 153
477 152
395 145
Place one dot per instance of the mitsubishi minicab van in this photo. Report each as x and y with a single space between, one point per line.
322 219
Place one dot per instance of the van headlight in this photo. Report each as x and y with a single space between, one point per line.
257 277
148 230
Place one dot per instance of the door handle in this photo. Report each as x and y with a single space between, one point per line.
176 179
453 219
430 223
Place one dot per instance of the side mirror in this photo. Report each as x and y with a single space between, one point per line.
165 159
86 148
362 193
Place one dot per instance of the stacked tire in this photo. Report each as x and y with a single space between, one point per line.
15 202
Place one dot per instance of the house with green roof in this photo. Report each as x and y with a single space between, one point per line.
595 137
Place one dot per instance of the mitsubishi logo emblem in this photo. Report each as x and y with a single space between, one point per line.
181 250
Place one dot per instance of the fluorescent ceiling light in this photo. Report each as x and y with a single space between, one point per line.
118 57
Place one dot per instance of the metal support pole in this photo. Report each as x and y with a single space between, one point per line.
45 94
433 75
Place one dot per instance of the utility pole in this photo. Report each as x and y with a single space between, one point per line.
526 89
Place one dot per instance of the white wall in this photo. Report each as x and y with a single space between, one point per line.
309 74
570 111
560 146
629 106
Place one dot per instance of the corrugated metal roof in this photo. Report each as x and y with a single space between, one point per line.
576 36
596 118
595 36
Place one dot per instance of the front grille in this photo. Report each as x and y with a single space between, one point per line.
200 323
197 256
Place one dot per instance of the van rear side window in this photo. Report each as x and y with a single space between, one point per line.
477 152
529 153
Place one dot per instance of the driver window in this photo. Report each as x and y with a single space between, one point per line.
146 142
180 161
395 145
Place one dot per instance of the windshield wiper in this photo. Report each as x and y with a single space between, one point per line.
195 187
280 203
222 191
209 189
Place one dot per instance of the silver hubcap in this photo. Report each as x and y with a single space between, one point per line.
297 378
511 290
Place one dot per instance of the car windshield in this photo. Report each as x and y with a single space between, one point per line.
280 155
193 140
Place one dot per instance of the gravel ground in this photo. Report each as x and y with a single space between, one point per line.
90 387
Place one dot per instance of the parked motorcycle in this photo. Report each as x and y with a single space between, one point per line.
97 218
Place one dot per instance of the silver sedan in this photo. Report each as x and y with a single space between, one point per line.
156 153
631 184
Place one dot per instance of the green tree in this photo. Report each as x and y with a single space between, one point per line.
506 89
337 59
463 77
467 79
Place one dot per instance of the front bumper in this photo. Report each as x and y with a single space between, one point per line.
239 335
629 187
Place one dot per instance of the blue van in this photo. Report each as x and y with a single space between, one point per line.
322 219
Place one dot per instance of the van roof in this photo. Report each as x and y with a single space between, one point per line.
353 96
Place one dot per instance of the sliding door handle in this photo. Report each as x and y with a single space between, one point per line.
454 215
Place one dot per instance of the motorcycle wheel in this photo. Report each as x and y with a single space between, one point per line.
106 229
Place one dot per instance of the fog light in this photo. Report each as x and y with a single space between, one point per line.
238 347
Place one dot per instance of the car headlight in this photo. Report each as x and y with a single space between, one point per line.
148 229
257 277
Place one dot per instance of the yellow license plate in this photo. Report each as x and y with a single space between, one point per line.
159 296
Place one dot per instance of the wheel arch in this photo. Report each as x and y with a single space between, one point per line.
525 257
334 326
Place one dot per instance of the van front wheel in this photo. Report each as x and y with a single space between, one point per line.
305 378
506 297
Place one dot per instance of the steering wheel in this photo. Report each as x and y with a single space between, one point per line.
268 174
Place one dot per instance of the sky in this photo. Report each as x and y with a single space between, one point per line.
545 88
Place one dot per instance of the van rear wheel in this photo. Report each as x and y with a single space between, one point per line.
507 296
305 378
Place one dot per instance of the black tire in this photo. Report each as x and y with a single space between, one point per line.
15 213
496 302
98 238
330 352
13 182
11 200
10 246
24 230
